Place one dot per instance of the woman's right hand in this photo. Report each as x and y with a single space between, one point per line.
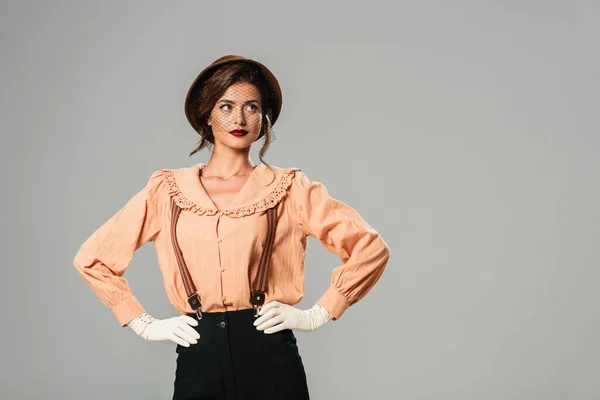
176 329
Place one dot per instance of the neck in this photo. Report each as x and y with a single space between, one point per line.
227 165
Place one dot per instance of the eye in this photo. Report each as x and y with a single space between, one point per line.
254 107
225 105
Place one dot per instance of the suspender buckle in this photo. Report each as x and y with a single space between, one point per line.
194 301
257 299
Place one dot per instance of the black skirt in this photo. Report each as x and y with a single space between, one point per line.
233 360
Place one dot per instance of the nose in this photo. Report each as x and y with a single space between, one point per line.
240 118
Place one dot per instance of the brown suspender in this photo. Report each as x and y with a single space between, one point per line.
190 288
257 289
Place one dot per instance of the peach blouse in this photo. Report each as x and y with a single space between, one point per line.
221 248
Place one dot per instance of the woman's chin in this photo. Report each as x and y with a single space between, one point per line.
237 143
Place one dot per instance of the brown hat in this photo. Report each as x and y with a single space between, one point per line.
193 98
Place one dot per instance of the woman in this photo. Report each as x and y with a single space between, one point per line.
231 238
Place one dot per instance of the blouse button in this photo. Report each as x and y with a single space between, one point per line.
219 240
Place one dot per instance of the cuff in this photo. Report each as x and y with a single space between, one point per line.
127 310
334 302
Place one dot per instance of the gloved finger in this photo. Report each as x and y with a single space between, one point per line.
177 331
277 328
268 315
189 320
187 329
270 305
271 322
172 337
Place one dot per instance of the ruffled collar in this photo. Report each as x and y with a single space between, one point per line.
261 191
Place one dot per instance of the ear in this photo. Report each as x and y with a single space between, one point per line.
208 121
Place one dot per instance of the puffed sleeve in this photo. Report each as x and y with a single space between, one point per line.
104 256
341 230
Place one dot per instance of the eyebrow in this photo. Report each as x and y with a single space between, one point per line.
233 102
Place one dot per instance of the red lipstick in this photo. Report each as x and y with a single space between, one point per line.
239 132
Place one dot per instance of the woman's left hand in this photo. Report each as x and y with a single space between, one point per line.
276 316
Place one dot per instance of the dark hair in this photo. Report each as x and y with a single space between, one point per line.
216 85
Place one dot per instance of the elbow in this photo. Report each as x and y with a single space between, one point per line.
384 249
84 263
384 255
80 268
386 252
76 263
80 261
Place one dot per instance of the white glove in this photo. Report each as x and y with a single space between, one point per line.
277 316
176 329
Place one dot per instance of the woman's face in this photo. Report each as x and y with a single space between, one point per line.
239 108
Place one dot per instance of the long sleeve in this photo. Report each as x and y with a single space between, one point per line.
104 256
341 230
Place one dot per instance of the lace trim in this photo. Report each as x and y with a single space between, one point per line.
271 200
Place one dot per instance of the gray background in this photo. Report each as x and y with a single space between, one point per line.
466 133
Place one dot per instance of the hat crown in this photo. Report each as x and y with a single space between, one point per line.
229 57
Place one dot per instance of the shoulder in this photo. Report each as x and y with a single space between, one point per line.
165 182
169 176
299 178
269 174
